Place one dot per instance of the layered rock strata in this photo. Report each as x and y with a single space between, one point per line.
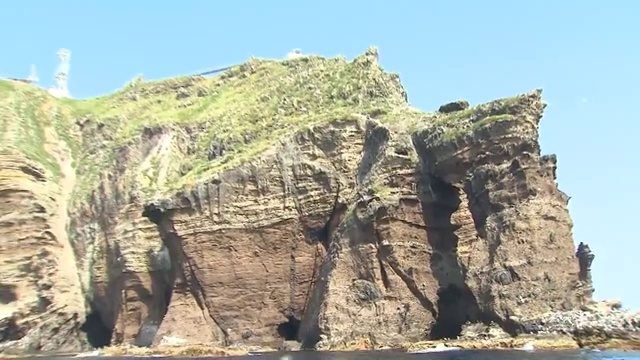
41 300
288 200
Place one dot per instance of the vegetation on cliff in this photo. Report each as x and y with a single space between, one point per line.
222 121
286 161
227 119
25 113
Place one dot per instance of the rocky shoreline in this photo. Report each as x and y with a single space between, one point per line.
588 322
631 342
601 326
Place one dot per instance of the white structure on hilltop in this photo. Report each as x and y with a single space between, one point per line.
61 90
295 53
33 77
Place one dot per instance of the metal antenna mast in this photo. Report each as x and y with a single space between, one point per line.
33 77
61 89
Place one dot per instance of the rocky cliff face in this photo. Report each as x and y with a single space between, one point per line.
299 199
41 298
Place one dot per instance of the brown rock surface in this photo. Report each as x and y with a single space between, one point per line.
299 199
484 235
41 301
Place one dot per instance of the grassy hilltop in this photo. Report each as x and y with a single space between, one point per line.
242 112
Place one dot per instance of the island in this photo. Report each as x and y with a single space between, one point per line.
285 204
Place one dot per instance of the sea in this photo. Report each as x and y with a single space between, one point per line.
446 355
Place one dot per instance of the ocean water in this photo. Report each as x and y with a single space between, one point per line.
448 355
451 355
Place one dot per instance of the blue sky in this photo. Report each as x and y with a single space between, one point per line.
584 54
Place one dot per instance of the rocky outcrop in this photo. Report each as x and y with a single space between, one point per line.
484 236
293 200
41 300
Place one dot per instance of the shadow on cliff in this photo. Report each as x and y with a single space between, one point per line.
157 299
8 293
106 307
100 321
456 302
183 273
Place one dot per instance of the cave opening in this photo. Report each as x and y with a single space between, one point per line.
288 330
98 333
456 306
11 330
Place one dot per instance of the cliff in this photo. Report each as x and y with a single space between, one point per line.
299 199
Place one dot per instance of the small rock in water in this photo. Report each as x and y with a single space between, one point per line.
528 347
89 354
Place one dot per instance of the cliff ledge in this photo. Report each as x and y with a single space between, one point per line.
282 200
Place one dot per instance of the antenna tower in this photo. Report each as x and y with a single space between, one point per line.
33 77
61 77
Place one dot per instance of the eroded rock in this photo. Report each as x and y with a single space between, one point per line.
585 259
343 228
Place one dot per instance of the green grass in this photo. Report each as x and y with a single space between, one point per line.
452 133
23 118
5 85
382 190
246 110
449 127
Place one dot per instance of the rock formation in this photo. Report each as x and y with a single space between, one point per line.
301 199
585 259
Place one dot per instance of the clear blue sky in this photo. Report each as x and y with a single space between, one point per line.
584 54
